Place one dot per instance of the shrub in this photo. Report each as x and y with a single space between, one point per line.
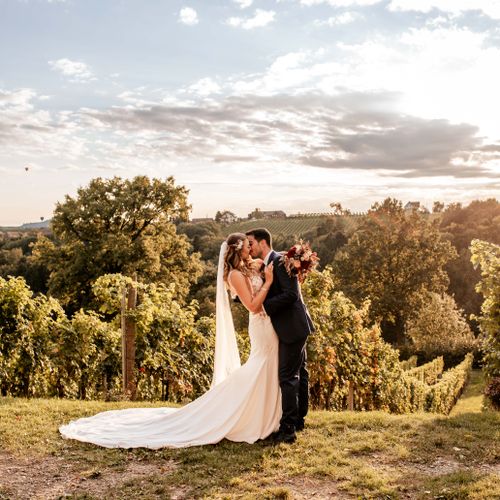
28 326
487 256
439 328
409 363
428 373
492 391
174 352
407 394
344 350
441 397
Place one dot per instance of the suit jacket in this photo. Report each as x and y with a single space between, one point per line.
289 314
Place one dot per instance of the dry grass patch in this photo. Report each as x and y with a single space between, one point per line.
338 455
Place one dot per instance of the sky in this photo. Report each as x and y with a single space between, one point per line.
272 104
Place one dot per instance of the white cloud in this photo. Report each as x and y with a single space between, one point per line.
439 72
77 71
490 8
204 87
340 3
19 99
134 98
344 18
260 18
289 73
243 3
30 133
345 131
188 16
439 22
355 138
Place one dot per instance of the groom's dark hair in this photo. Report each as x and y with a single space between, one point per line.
260 234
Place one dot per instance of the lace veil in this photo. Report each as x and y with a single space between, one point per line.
227 357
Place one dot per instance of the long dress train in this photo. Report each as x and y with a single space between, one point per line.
244 407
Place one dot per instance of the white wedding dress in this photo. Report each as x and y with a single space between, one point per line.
244 407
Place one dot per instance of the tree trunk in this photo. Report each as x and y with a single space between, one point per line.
350 397
129 301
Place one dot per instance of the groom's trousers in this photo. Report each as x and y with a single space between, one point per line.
294 383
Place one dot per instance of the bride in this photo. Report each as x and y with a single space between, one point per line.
244 402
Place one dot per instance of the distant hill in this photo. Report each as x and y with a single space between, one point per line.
28 226
36 225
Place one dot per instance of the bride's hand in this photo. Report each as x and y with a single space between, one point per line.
268 273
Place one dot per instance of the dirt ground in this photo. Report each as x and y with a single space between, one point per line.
52 478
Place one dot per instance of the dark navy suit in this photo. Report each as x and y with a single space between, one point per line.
292 324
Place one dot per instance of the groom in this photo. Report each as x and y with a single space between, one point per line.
292 324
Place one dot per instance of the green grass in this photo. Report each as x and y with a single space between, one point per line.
338 455
472 398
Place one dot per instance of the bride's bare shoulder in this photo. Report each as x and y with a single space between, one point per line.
234 274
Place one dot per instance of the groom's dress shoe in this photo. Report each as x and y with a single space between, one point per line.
284 437
299 426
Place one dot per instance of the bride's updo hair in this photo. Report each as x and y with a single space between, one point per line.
233 259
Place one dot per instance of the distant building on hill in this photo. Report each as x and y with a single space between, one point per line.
414 206
267 214
225 217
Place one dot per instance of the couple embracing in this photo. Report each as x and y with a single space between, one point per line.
267 397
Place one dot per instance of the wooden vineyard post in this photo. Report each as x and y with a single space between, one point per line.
350 396
129 301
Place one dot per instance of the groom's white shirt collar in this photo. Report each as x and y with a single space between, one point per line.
267 257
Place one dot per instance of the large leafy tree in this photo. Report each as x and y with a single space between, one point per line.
392 259
479 220
206 239
486 257
15 261
118 226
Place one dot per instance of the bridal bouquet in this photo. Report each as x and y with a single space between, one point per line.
300 260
